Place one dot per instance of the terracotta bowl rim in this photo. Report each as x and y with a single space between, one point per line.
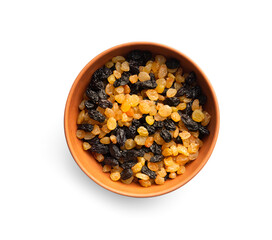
116 190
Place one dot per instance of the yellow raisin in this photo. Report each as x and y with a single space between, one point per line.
152 94
80 117
206 120
175 116
155 67
105 140
120 98
106 168
134 99
142 131
80 134
133 78
159 180
195 104
111 79
119 89
165 111
184 135
140 140
96 130
111 123
181 170
115 176
169 82
149 119
160 59
181 106
198 115
143 76
142 176
86 146
162 71
118 59
144 107
126 105
149 141
137 167
129 144
153 166
145 183
125 66
113 139
167 152
181 159
109 64
172 175
171 92
117 74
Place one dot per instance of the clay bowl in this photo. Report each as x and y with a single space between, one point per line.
86 161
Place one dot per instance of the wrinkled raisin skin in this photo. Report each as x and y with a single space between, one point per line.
126 174
148 172
166 135
172 63
156 158
86 127
94 114
110 161
169 124
115 151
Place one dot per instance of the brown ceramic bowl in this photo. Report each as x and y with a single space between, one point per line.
86 161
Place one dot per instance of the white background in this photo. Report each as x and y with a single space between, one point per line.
44 194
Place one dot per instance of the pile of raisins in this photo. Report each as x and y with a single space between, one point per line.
142 118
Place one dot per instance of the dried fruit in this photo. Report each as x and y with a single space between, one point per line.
156 158
94 114
148 172
126 174
172 63
86 127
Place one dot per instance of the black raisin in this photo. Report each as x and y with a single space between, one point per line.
166 135
131 132
170 125
181 92
152 77
129 155
127 165
121 137
191 78
124 80
126 174
139 152
86 127
94 114
94 140
157 158
151 130
136 123
173 101
172 63
115 151
148 172
133 67
149 84
189 123
188 110
155 148
100 148
98 77
178 140
104 103
139 56
135 88
102 94
89 104
111 161
202 99
158 124
203 130
92 95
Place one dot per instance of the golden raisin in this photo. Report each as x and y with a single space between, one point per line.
149 141
165 111
159 180
198 115
109 64
111 123
118 59
113 139
144 107
171 92
86 146
140 140
142 176
125 66
129 144
162 71
115 176
126 105
206 120
105 140
134 99
152 94
145 183
143 76
120 98
175 117
133 78
111 79
80 134
149 119
117 74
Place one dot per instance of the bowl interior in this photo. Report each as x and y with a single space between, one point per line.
92 168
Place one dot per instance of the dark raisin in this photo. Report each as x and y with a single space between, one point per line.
111 161
127 165
202 99
94 140
104 103
148 172
152 77
191 78
149 84
181 92
126 174
151 130
135 88
139 152
139 56
131 132
158 124
86 127
102 94
170 125
136 123
164 92
92 95
173 101
124 80
203 130
157 158
129 155
133 67
94 114
121 137
145 149
172 63
188 110
178 140
89 104
167 176
155 148
100 148
166 135
98 77
189 123
196 92
115 151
